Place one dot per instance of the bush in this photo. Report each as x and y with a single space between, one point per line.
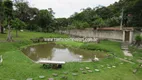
80 25
138 39
114 21
91 46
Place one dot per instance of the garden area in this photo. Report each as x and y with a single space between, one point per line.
18 66
24 28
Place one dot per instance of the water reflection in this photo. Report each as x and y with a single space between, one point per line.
55 52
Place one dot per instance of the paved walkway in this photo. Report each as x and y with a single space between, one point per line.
126 60
124 47
127 53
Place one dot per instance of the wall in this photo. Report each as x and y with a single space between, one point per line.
117 35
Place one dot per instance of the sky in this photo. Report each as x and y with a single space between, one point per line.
65 8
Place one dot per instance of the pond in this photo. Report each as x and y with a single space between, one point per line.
54 52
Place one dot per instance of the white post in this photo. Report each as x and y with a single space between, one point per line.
131 37
123 35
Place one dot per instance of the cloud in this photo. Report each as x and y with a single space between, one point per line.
65 8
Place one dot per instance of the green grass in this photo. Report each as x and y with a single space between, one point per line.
70 43
137 53
18 66
107 46
27 35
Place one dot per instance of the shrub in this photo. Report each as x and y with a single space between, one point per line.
138 39
80 25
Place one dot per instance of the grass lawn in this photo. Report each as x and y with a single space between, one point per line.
27 35
107 46
18 66
137 53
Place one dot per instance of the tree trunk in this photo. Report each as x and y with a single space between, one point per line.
9 37
1 28
16 33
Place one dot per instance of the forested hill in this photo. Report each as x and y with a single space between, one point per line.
109 16
17 14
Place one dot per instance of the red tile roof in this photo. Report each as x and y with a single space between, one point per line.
116 28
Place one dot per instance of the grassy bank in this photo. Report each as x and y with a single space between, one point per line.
17 66
137 53
27 35
113 48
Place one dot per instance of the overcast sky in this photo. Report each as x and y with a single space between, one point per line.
65 8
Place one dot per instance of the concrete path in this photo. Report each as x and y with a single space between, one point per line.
126 60
124 47
127 53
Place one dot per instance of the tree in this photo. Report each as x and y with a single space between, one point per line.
87 15
17 24
32 23
98 22
27 14
104 12
1 16
79 25
44 20
22 10
134 9
114 21
8 10
61 23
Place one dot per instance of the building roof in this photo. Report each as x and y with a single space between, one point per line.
116 28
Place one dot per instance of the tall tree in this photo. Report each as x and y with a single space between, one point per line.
8 7
104 12
62 23
22 10
44 19
1 16
17 24
27 14
134 12
32 23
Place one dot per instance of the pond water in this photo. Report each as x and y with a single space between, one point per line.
54 52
